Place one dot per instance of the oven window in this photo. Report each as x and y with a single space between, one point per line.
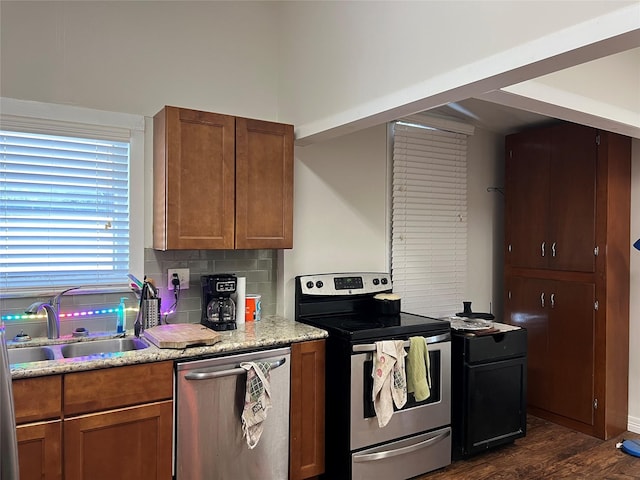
434 359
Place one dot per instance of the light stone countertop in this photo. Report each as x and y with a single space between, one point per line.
271 331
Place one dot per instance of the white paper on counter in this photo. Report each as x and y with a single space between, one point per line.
239 298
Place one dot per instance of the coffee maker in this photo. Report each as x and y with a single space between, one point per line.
218 308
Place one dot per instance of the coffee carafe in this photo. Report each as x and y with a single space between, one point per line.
218 308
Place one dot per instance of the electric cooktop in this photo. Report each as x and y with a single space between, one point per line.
357 327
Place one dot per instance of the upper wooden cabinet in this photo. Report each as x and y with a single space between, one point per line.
221 182
551 187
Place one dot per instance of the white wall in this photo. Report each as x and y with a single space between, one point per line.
342 212
384 60
136 57
485 216
340 209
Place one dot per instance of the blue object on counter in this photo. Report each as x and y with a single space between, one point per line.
121 323
637 244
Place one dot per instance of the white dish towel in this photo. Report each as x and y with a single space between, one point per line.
257 400
389 379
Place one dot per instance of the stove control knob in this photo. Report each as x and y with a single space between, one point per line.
309 284
384 281
319 284
376 281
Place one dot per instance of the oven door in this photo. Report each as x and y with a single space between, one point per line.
414 417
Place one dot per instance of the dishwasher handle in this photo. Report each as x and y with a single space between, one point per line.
196 375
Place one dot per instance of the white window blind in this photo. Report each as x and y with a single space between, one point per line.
64 209
429 219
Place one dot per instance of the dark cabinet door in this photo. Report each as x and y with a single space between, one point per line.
527 198
572 205
525 307
571 347
551 198
560 320
496 403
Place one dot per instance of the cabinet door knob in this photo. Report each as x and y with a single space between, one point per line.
542 299
553 300
553 249
542 248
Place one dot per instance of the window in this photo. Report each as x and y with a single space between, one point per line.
429 214
65 201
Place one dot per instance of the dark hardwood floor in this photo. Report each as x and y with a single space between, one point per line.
549 451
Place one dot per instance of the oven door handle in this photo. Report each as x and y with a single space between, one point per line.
371 457
196 375
371 347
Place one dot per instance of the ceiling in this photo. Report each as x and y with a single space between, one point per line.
491 116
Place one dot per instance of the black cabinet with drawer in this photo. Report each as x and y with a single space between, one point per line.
489 387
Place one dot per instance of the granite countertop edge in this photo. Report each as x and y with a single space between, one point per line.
271 331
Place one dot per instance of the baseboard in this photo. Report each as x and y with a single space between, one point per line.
633 424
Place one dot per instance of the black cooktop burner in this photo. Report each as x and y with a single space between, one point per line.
356 327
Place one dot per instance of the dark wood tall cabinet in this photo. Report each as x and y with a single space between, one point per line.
567 246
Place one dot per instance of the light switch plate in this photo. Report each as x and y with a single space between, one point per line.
183 275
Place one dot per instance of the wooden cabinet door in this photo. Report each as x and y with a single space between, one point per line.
572 206
39 450
525 307
264 184
527 198
307 409
128 444
560 320
572 349
194 180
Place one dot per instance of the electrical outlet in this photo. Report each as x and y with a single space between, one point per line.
183 275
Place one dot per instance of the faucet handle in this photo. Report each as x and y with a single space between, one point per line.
55 301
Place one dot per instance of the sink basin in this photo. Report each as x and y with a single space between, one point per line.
30 354
95 347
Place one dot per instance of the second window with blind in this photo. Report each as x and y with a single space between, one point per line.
429 214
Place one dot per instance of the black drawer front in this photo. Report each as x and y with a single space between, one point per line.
488 348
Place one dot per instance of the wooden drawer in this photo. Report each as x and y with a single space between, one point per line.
37 398
96 390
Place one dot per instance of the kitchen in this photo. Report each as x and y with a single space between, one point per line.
334 175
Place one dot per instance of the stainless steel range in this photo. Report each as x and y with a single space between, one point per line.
417 439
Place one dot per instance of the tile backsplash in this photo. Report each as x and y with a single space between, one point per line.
258 266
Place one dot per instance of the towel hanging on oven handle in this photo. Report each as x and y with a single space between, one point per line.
371 347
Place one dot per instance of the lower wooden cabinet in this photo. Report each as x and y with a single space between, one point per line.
115 423
307 409
130 443
560 319
39 450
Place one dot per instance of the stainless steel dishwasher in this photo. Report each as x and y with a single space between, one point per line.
209 404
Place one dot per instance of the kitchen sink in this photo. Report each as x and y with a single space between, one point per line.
30 354
95 347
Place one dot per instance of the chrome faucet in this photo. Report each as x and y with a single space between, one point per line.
52 309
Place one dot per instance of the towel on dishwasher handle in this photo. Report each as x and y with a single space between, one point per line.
257 400
418 369
389 379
